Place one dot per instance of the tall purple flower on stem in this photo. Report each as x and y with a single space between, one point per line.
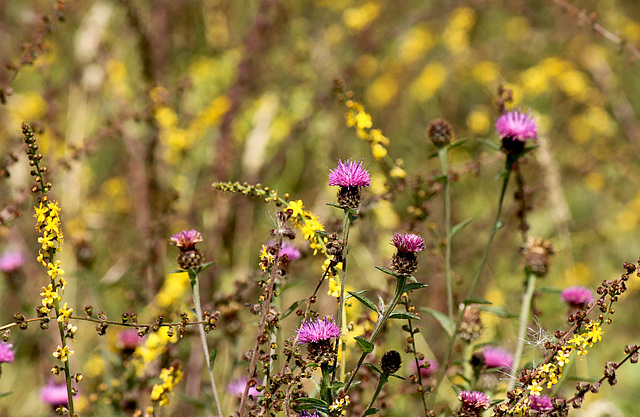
189 256
350 176
495 357
6 353
473 403
515 128
577 297
318 334
405 260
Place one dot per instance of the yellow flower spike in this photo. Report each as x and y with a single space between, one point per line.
41 214
64 313
49 296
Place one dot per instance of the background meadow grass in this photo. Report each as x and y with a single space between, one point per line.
143 105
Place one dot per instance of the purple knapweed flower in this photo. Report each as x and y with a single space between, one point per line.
495 357
187 239
319 330
290 250
517 126
308 413
473 400
237 388
349 174
6 353
540 403
55 395
408 242
11 261
129 340
577 296
428 367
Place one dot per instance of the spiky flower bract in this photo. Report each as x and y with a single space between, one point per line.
186 239
349 174
495 357
405 260
577 296
6 353
517 126
318 330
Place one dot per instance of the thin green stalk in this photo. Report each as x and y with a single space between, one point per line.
346 227
67 370
524 320
474 283
384 377
402 279
205 347
444 163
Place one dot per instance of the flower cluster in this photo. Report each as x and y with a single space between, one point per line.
170 378
308 224
495 357
408 245
577 297
318 334
6 353
350 176
515 128
473 403
189 256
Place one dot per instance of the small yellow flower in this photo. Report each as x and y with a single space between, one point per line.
62 353
46 240
49 296
297 208
64 314
41 214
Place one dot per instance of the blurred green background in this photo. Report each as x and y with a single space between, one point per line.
143 105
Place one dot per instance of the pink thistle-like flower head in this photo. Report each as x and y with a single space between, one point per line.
517 126
428 367
495 357
11 261
349 174
129 340
473 400
309 413
577 296
540 403
318 330
290 250
55 395
408 242
187 239
237 388
6 353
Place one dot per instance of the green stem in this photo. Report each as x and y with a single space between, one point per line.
381 383
524 320
415 358
474 283
325 392
195 286
346 226
402 279
443 154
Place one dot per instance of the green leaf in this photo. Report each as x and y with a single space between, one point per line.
476 300
489 144
177 271
397 314
499 311
373 367
370 411
456 144
212 357
364 345
364 300
398 376
204 267
4 394
193 276
307 403
455 229
292 308
388 271
444 320
415 286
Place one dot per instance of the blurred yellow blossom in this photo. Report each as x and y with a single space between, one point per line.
517 29
357 18
594 181
382 90
415 45
429 81
486 72
456 34
478 120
